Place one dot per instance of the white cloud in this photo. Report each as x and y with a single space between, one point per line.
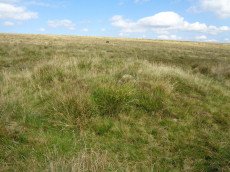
41 3
121 3
219 7
126 25
42 29
103 29
227 40
10 1
8 23
204 38
201 37
169 37
11 11
164 22
211 40
68 24
121 34
47 3
140 1
85 30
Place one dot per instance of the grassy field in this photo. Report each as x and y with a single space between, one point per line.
81 104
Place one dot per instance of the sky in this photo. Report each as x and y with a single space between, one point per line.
192 20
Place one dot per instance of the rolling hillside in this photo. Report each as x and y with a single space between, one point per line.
104 104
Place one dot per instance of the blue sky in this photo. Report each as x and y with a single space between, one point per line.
195 20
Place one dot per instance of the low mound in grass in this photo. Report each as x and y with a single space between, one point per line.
79 104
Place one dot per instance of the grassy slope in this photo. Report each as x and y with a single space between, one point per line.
79 103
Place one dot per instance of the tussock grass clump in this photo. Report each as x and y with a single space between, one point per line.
115 99
112 100
79 104
47 74
85 65
151 100
102 127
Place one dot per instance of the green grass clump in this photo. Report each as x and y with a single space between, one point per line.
111 100
102 126
78 104
151 100
47 74
85 65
